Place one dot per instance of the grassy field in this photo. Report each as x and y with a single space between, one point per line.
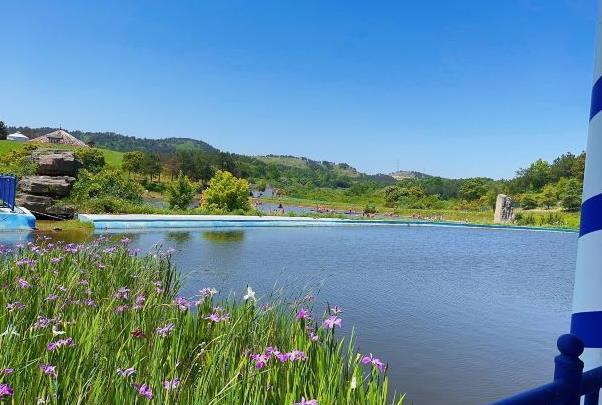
112 158
101 324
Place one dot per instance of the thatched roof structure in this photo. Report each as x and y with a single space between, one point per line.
60 137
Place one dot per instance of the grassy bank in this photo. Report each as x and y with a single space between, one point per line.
543 218
112 158
99 324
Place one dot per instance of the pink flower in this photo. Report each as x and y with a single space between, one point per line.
303 314
313 337
23 283
182 303
6 391
296 355
332 321
374 361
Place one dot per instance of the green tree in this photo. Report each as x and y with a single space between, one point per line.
3 131
226 192
528 201
92 159
132 162
548 196
535 176
473 189
180 192
151 165
571 198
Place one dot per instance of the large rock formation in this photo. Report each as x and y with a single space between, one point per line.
56 163
39 194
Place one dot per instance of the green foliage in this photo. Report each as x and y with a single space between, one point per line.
92 158
3 131
527 201
548 196
370 209
226 192
181 192
151 165
132 162
571 196
122 324
108 188
473 189
17 161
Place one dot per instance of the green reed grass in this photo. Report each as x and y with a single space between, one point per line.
72 291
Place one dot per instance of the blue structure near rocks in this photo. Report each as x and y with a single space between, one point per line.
13 218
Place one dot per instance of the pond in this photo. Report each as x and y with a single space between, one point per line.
462 316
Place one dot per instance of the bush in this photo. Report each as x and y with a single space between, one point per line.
571 196
180 193
527 201
105 185
18 162
155 186
370 209
226 192
92 158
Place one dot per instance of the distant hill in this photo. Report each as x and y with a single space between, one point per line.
404 174
277 169
124 143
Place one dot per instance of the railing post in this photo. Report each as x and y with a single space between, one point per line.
569 367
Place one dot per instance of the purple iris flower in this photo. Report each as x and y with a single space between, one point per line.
332 321
7 371
6 391
23 283
182 303
171 384
144 390
126 372
49 369
122 293
12 306
306 402
303 314
165 330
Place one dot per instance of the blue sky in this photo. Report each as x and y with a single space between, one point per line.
454 88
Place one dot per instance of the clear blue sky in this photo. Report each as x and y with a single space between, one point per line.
454 88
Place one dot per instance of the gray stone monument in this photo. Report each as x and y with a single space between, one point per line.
503 209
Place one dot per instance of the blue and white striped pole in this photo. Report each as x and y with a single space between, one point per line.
586 321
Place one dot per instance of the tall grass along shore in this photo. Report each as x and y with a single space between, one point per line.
101 324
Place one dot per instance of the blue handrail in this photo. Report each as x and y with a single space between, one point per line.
570 382
8 191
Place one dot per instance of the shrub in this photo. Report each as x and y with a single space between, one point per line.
527 201
107 185
18 161
571 196
226 192
180 193
92 159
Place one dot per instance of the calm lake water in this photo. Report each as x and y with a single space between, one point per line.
462 316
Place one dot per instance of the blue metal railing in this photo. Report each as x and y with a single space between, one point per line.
8 191
570 382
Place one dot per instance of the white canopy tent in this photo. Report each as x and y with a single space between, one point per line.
18 137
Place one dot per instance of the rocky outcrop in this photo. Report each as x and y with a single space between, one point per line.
56 163
56 175
59 186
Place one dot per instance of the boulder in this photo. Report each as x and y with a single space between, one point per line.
56 163
43 206
59 186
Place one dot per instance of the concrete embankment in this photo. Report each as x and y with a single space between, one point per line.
136 221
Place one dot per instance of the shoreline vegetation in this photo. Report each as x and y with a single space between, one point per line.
183 176
93 323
